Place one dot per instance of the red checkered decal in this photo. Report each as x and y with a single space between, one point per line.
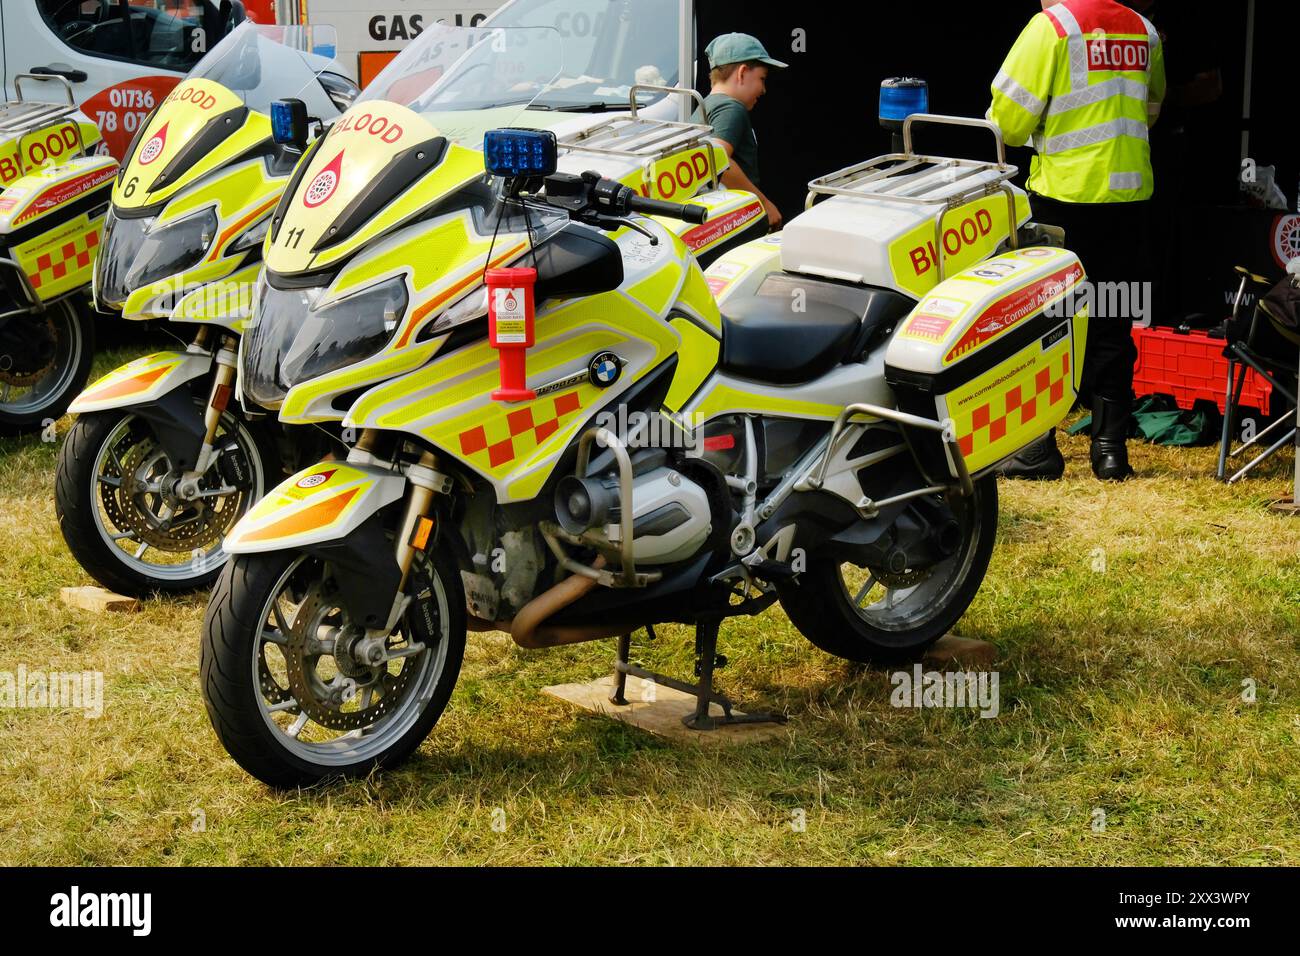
76 254
523 430
991 417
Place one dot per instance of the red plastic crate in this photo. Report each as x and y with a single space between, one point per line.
1191 367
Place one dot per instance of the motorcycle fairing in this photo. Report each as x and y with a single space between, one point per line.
366 140
516 446
146 379
443 260
323 503
227 302
196 107
157 300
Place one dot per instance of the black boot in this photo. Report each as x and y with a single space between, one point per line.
1040 460
1110 424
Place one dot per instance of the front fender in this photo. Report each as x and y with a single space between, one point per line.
324 503
145 380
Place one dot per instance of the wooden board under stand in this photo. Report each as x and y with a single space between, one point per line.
97 599
964 652
662 714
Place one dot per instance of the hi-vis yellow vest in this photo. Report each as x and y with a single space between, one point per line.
1084 82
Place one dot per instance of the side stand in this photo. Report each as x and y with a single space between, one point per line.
707 660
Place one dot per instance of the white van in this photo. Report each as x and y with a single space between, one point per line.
121 56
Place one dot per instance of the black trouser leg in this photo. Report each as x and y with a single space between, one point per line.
1110 240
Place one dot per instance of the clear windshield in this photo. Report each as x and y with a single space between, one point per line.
465 81
261 64
609 45
452 69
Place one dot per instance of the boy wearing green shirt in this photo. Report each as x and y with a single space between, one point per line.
738 67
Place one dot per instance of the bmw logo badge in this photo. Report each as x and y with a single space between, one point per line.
604 369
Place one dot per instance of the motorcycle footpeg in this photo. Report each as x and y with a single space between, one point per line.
770 570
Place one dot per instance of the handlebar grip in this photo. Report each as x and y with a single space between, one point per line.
673 210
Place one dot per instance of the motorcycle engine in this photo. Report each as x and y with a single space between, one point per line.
671 518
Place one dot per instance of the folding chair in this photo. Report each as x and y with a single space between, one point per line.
1271 350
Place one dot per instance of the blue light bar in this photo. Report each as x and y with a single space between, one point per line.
289 122
900 97
519 152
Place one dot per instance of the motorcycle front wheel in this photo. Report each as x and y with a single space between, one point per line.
873 616
44 363
123 523
289 690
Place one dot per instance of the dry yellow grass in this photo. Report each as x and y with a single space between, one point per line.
1121 693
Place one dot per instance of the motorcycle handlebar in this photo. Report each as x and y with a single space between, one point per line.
673 210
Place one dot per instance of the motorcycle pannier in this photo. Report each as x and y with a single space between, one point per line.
996 351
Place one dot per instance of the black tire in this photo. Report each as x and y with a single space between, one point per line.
819 606
231 633
75 320
76 506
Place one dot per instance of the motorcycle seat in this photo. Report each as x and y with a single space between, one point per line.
767 338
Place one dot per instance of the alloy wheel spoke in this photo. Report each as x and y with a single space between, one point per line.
298 724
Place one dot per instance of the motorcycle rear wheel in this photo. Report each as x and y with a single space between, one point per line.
872 617
44 363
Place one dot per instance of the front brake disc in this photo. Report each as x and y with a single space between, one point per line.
195 526
314 694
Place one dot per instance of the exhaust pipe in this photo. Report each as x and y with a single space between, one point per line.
527 630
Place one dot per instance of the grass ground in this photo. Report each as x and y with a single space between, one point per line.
1126 618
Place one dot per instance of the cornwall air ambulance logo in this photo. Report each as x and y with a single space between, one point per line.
153 149
323 186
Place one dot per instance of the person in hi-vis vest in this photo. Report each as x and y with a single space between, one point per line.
1082 85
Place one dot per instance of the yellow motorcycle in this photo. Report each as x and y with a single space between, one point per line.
53 197
161 462
826 439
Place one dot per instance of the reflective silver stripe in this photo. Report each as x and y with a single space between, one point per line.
1153 37
1076 44
1118 86
1093 135
1006 85
1126 180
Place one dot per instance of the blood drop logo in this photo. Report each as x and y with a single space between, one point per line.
322 187
153 149
316 480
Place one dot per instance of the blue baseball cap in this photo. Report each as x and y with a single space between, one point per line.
738 48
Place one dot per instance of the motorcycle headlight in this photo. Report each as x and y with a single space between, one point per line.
117 255
253 238
290 341
172 248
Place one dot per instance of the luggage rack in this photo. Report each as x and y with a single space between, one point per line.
23 116
633 136
915 179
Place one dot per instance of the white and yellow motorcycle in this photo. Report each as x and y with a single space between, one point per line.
826 438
